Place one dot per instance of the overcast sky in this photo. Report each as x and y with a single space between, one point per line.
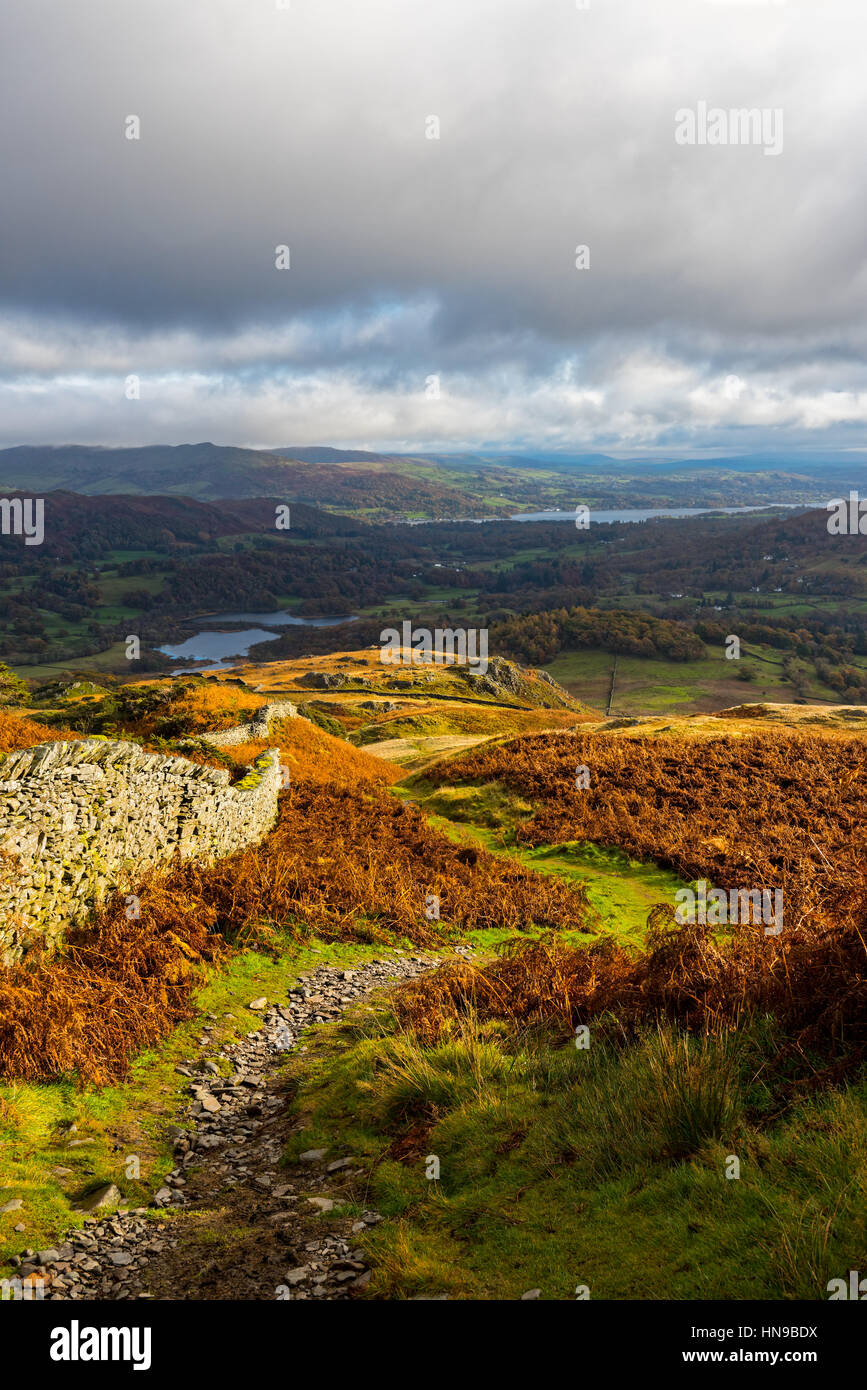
432 299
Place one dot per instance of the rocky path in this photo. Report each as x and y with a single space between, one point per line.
229 1222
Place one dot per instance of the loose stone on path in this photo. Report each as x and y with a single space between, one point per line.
230 1149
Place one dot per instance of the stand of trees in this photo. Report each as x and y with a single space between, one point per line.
537 638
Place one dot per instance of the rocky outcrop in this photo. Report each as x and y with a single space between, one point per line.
506 681
332 680
83 818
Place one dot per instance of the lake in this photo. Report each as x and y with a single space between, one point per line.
647 513
215 649
606 517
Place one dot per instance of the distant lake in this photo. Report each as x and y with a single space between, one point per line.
219 649
647 513
627 514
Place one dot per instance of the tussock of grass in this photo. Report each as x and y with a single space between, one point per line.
410 1082
665 1097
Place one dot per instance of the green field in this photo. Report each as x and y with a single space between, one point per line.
645 686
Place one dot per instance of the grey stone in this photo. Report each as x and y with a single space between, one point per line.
106 1196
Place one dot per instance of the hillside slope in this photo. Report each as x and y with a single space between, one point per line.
210 471
564 1168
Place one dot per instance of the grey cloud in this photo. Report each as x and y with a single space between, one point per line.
306 126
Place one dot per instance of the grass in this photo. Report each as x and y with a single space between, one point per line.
603 1168
621 891
424 722
416 754
113 659
492 806
646 686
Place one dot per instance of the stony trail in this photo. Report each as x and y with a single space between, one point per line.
229 1222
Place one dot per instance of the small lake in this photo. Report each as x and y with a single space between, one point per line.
215 649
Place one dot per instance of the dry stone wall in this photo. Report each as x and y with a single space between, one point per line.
83 818
259 727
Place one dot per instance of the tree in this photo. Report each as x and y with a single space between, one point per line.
13 690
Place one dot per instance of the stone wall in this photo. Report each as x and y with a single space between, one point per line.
85 817
259 726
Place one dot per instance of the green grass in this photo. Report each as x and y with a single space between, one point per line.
113 659
621 891
112 587
491 806
647 686
603 1168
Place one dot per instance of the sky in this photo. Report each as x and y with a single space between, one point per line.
431 169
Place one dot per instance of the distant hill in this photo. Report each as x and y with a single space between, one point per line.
321 453
76 525
189 470
211 471
389 487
